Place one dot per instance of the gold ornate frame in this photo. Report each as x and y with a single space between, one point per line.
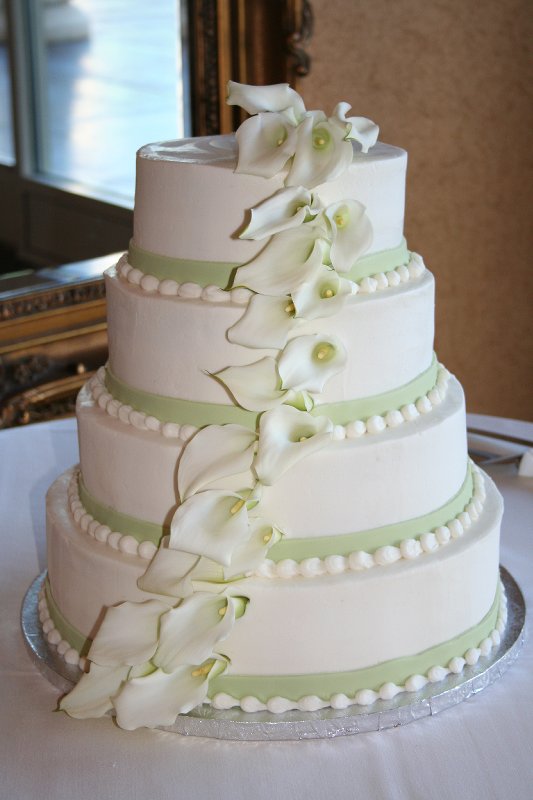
250 41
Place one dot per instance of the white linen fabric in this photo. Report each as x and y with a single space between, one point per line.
481 748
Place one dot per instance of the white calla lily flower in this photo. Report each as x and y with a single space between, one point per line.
308 362
211 524
215 452
128 634
286 209
266 142
325 295
275 97
190 631
360 129
248 556
266 322
289 259
286 436
322 152
168 572
91 697
157 699
351 233
256 386
300 400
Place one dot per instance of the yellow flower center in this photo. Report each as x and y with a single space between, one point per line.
267 537
290 308
222 610
341 217
321 138
326 293
281 136
324 351
236 507
196 673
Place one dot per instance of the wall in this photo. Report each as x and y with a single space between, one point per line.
449 82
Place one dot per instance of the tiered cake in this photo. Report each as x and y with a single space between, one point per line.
274 507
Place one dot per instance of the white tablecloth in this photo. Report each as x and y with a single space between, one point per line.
480 749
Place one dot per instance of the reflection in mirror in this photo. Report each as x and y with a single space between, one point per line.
7 147
109 80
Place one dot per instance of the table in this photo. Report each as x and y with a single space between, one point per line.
479 749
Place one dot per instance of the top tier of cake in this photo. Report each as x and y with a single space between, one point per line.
190 204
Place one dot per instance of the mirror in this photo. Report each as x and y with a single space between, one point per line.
52 321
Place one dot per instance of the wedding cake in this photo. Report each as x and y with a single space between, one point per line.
274 507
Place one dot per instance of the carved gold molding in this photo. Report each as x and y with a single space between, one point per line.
250 41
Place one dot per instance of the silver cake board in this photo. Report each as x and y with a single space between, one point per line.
235 724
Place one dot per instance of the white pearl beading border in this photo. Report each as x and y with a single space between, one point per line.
365 697
357 561
408 549
352 430
240 295
278 705
124 543
69 654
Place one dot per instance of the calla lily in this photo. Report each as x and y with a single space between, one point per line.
288 208
361 129
248 556
211 524
276 97
157 699
255 386
190 631
322 152
92 695
308 362
285 436
266 322
300 400
289 259
215 452
266 142
128 634
168 571
323 296
351 233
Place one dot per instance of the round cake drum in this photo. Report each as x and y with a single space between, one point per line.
327 723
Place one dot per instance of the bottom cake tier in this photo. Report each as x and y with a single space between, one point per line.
333 637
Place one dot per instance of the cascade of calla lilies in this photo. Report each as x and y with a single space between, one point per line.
153 660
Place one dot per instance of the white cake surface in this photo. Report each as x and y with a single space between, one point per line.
182 192
301 625
400 474
170 346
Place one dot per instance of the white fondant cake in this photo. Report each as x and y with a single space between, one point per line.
274 507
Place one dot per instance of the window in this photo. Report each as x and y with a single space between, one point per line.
96 79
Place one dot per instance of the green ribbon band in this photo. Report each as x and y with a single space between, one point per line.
190 412
326 684
293 687
68 632
298 549
221 273
140 529
369 541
